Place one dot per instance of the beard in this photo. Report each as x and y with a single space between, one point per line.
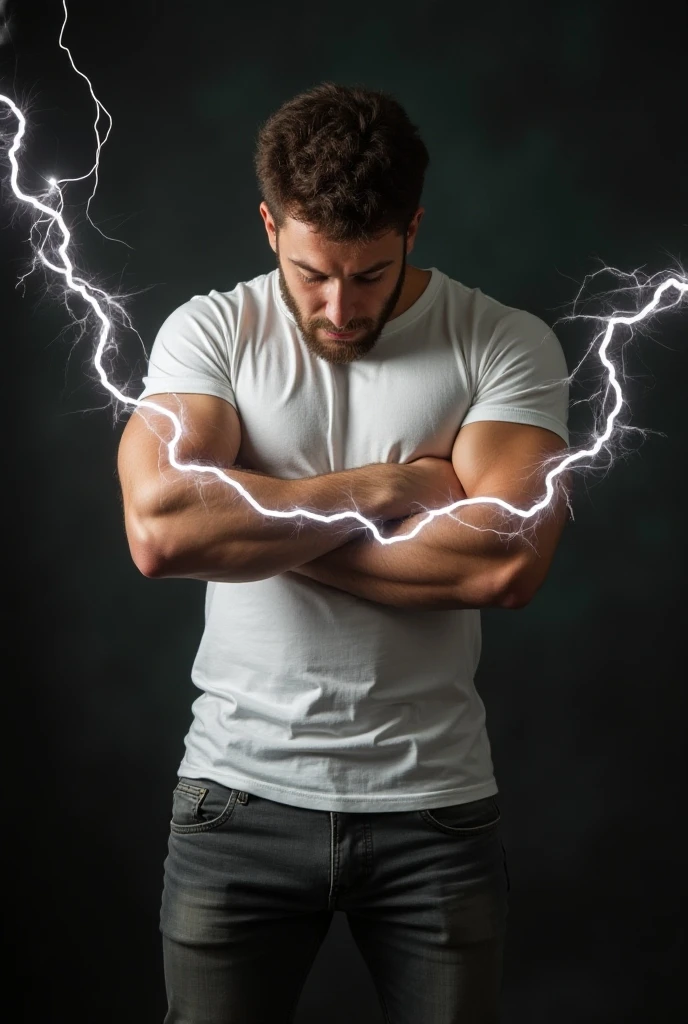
341 352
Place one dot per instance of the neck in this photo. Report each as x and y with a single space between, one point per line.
415 283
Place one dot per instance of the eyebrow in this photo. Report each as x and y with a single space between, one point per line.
360 273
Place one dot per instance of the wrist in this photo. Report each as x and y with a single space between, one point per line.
372 490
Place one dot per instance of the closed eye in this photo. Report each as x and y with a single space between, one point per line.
361 280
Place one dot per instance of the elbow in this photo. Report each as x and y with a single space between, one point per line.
514 599
148 563
517 588
147 551
520 585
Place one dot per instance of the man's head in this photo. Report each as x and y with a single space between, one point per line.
341 172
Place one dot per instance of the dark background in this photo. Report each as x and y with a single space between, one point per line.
557 140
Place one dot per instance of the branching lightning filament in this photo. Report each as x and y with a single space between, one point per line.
60 263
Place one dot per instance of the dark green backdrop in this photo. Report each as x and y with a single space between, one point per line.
557 142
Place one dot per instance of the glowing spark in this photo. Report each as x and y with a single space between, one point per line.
75 284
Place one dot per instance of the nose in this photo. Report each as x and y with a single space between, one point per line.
339 307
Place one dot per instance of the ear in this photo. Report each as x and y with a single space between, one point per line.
413 229
269 225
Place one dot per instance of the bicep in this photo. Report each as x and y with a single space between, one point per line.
505 460
511 461
211 435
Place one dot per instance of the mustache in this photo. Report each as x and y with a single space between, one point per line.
332 330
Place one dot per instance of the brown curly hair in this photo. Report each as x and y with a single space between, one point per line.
345 159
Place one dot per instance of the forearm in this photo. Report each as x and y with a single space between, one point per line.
482 555
202 528
448 564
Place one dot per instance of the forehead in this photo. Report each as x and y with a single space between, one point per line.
303 241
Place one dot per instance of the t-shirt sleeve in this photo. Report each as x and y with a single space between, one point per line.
190 353
519 375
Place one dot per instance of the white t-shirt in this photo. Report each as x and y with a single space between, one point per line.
311 696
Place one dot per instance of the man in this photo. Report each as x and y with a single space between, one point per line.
338 758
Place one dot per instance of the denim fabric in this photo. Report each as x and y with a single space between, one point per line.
251 886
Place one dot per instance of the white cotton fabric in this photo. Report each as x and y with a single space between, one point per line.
310 696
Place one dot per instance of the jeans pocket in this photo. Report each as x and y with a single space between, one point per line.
469 819
201 805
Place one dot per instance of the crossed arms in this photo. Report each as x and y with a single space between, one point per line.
185 525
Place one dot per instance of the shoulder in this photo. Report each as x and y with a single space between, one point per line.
495 331
218 313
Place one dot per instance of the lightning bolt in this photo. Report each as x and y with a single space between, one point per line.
52 215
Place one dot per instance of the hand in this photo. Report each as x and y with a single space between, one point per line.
426 483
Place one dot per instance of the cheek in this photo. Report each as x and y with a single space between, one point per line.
305 302
310 307
306 298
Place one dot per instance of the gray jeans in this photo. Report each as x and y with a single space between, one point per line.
251 886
